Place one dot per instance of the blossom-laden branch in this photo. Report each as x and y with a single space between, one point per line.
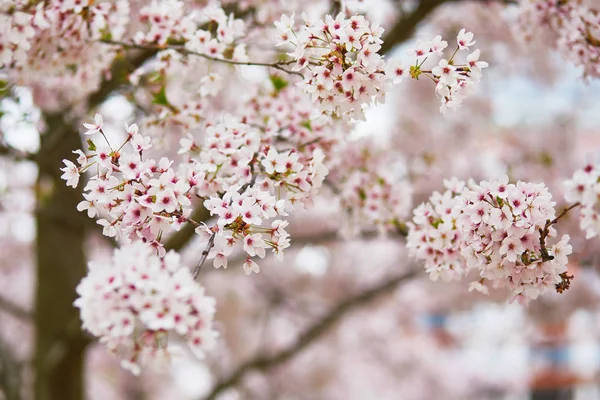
399 33
204 256
347 73
313 333
545 232
497 228
576 25
180 238
279 65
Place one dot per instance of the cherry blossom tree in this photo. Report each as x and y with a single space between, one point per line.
181 140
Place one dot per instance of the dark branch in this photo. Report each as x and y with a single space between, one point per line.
10 374
205 252
15 154
312 334
405 26
15 310
119 74
181 49
179 239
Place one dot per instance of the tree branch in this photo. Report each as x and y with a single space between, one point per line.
119 74
179 239
405 27
15 310
15 154
10 374
181 49
310 335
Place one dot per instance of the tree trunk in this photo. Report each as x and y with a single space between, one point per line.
61 263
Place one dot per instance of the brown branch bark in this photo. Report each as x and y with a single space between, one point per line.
10 374
179 239
61 264
310 335
405 27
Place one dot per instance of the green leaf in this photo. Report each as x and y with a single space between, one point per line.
91 145
436 223
106 35
362 194
278 83
306 124
500 201
546 159
160 97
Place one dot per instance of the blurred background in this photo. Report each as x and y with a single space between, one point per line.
346 315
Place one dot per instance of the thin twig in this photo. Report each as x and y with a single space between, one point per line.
276 65
562 214
209 245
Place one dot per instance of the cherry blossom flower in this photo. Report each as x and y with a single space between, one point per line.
95 127
71 173
465 39
583 189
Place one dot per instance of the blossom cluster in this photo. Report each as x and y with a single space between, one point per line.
576 25
135 197
345 70
584 189
371 187
287 118
371 194
434 235
503 230
137 300
49 45
247 182
454 81
244 182
168 20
